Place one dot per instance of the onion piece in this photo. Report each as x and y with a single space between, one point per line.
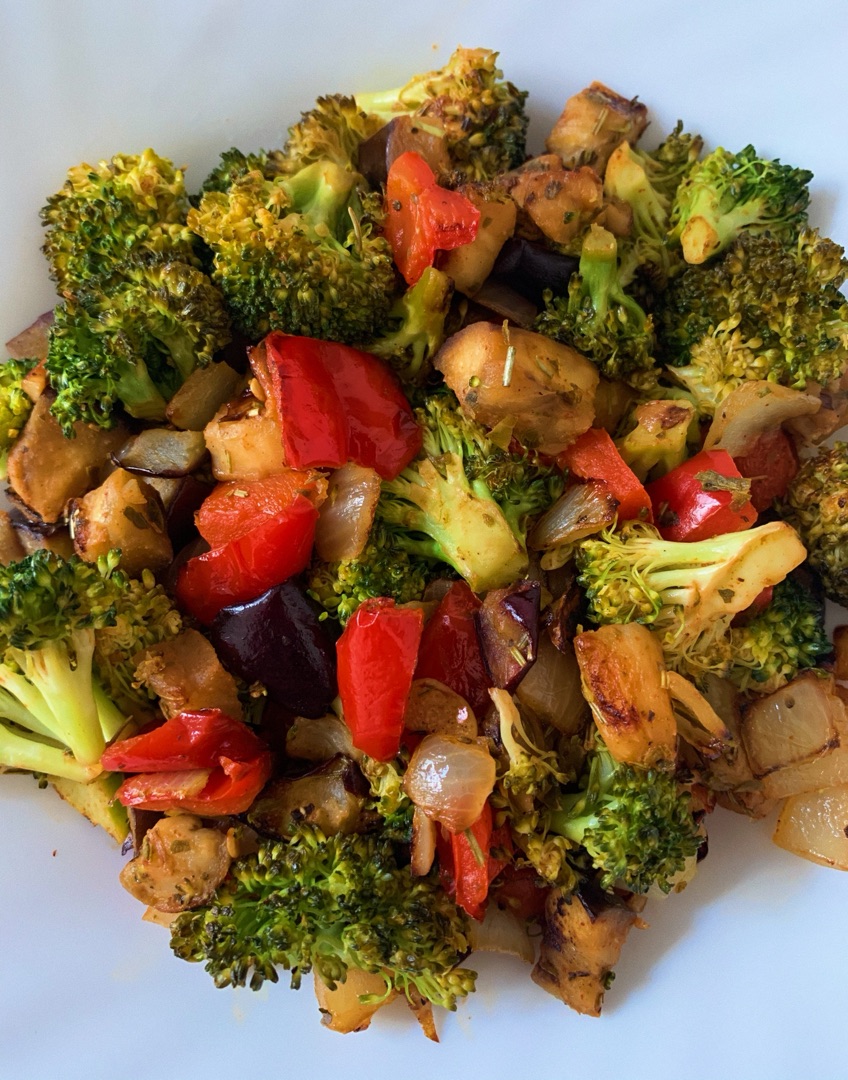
501 932
813 825
450 780
434 709
699 724
751 410
551 688
347 514
422 850
318 739
584 509
342 1008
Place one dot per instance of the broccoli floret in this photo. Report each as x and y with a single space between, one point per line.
765 310
465 501
131 339
329 904
483 117
636 825
415 328
55 716
15 406
383 568
727 193
234 165
599 319
331 131
109 211
387 796
786 637
299 253
817 505
647 182
687 593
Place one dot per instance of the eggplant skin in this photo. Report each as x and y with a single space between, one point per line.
278 640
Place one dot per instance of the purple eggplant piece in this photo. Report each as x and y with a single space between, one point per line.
508 629
531 268
401 134
278 640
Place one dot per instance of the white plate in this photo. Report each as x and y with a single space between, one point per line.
744 974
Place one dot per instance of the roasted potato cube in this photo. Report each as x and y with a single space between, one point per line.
593 123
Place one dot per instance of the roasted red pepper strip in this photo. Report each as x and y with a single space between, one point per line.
376 661
466 862
233 509
770 463
450 648
422 217
202 762
338 404
278 547
594 456
704 497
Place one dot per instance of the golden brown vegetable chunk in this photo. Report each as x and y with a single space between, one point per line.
179 866
46 470
560 202
341 1008
592 125
622 668
545 390
470 264
186 674
582 938
124 512
11 548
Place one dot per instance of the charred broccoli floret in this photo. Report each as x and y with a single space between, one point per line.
234 165
131 339
331 131
726 194
330 904
107 212
765 310
299 253
15 406
817 505
483 117
687 593
599 319
465 501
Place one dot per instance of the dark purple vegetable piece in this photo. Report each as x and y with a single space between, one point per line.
277 640
376 154
508 628
180 511
32 342
531 268
331 797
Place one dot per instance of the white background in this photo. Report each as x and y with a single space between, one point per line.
742 975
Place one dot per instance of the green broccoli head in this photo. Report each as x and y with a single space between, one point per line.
55 717
331 131
726 194
234 165
15 405
383 568
483 116
599 319
765 310
688 593
329 904
465 501
107 212
415 328
786 637
817 505
131 339
299 253
636 825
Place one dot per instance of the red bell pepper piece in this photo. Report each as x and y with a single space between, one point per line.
594 456
770 464
260 532
703 497
339 404
376 661
450 648
201 762
422 217
466 862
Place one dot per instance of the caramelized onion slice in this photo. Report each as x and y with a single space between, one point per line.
348 513
450 780
813 825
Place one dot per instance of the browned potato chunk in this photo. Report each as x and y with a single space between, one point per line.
124 512
560 202
245 440
179 866
582 938
46 470
11 548
621 667
201 395
471 264
185 673
545 390
592 125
